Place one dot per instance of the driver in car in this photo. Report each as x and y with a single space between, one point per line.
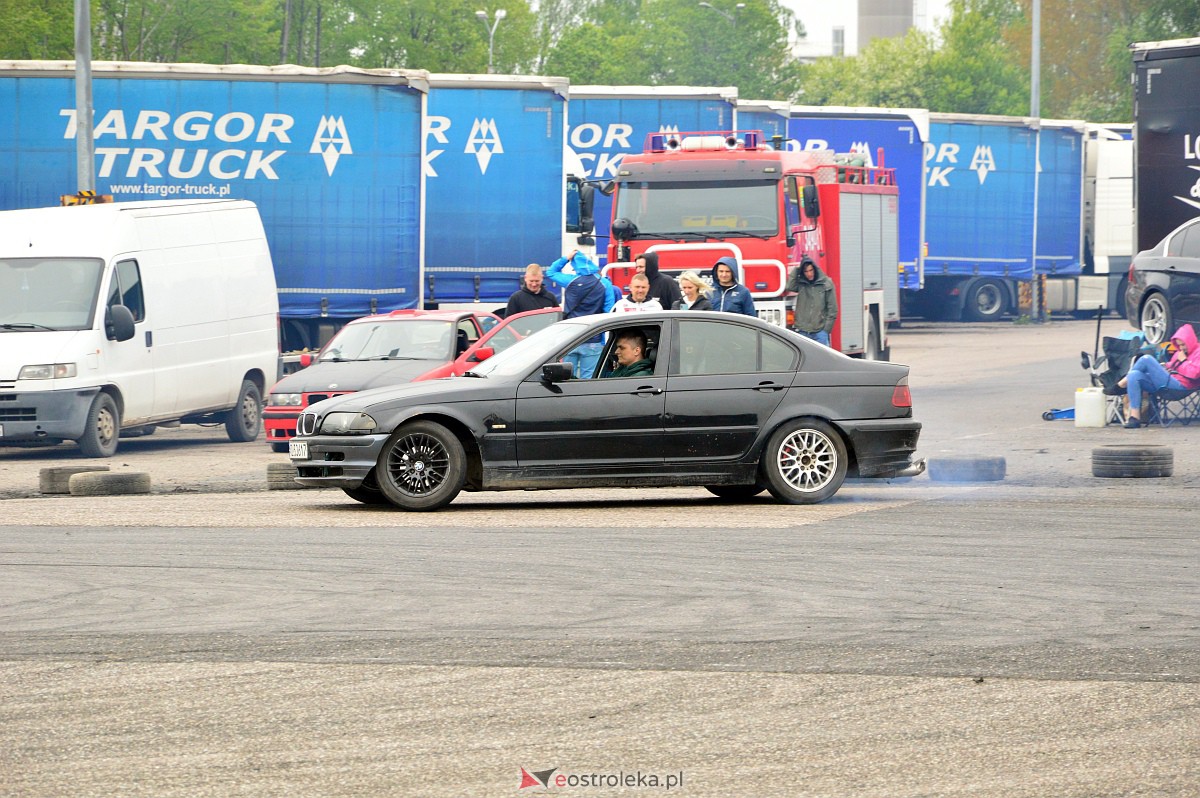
631 357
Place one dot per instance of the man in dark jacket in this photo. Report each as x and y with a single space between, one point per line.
532 295
728 294
815 306
662 288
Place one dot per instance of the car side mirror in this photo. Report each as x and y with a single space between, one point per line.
306 360
557 372
482 353
118 323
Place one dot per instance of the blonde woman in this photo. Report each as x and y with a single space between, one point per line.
695 293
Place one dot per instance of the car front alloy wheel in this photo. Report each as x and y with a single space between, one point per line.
421 467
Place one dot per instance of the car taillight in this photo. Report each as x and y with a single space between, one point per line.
900 394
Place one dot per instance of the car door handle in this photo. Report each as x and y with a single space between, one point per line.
769 386
648 390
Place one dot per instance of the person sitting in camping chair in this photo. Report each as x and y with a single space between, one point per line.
1147 375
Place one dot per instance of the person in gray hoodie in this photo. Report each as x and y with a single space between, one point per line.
728 294
815 306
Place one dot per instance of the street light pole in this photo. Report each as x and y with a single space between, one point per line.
491 29
731 17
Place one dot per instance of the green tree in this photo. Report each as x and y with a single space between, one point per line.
200 31
37 29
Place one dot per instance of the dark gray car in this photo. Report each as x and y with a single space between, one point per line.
1164 284
720 400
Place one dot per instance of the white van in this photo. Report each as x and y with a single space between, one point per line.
131 315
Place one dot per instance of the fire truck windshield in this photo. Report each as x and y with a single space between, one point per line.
706 208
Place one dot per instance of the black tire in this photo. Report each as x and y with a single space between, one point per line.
985 299
966 469
1120 461
368 492
804 462
107 483
279 448
1155 319
103 428
422 466
735 492
244 421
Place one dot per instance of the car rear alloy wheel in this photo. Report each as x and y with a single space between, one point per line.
1156 319
804 462
421 467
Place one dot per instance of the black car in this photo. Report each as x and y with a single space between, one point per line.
1164 284
729 402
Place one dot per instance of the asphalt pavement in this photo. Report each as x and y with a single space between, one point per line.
1035 636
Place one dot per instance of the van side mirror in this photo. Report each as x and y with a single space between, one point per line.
118 323
812 208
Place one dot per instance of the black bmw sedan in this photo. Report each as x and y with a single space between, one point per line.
674 398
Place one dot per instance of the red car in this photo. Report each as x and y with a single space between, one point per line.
398 347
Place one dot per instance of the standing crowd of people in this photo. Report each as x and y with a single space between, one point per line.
587 292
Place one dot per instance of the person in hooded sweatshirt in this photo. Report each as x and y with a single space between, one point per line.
662 288
816 307
585 293
1147 375
728 294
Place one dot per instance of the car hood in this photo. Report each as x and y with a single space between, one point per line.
353 375
441 391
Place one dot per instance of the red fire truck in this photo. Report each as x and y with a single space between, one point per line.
695 197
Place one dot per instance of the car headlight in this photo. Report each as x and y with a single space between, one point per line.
284 399
47 371
347 424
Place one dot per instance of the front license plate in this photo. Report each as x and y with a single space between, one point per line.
298 450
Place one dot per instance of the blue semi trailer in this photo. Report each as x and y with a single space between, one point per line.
332 158
978 215
493 184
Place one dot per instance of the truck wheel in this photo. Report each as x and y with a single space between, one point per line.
244 420
1156 319
985 300
103 428
804 462
422 466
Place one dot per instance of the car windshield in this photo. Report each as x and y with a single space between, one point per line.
699 207
529 352
392 339
49 293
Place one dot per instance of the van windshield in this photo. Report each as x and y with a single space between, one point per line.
53 293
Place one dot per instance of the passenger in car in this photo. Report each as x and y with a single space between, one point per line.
1147 375
631 353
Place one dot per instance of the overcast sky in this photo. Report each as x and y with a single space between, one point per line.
821 16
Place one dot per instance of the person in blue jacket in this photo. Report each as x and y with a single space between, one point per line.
728 294
585 293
